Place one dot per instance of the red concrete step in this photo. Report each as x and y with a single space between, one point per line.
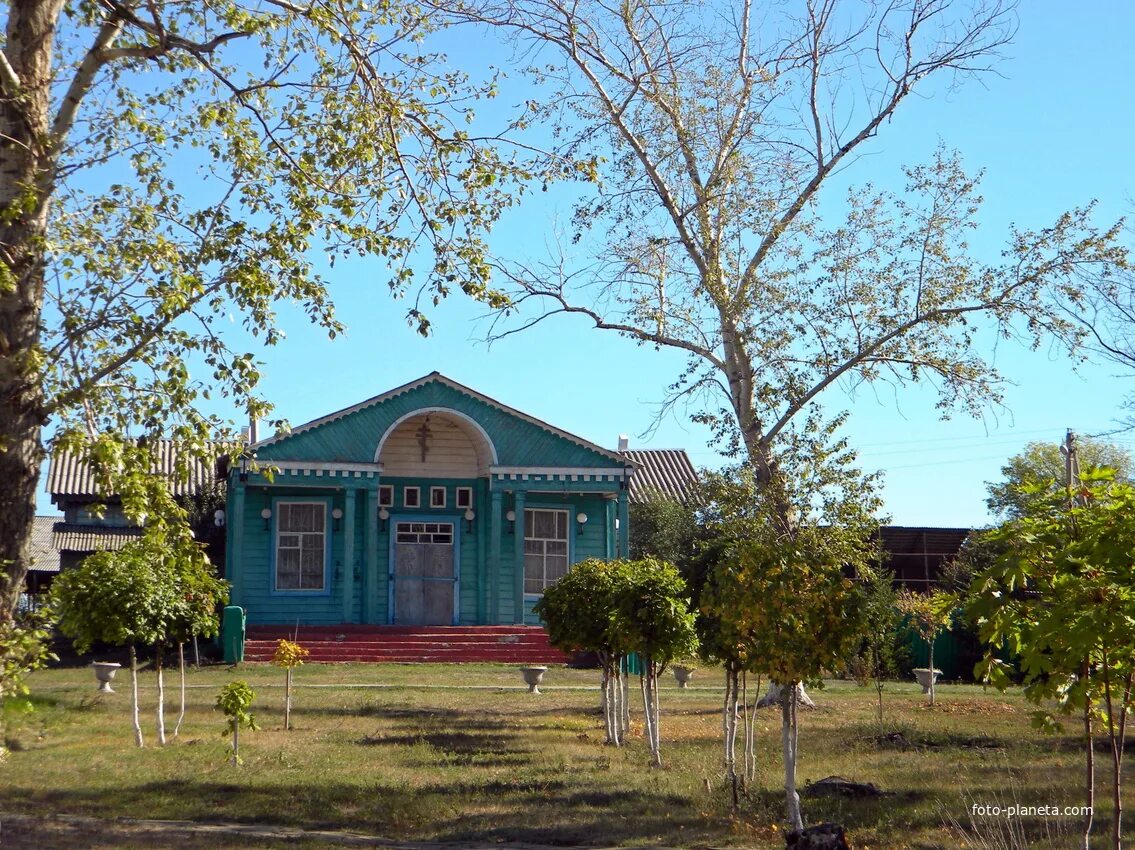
430 644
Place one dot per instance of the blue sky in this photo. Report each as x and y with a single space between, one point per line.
1053 129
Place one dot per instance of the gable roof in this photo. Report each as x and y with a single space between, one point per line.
45 557
438 378
70 475
666 472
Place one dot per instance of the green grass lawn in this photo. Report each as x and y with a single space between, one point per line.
463 753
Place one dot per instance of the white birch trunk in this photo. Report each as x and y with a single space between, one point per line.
751 737
135 719
624 684
181 669
788 747
656 724
161 712
729 721
932 676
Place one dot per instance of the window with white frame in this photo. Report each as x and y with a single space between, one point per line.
301 545
386 495
545 548
437 497
411 497
464 497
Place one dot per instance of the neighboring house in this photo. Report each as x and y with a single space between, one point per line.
45 562
430 504
668 473
917 555
85 528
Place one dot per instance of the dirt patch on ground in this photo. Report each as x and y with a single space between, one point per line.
970 706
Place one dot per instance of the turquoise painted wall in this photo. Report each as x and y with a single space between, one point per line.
355 436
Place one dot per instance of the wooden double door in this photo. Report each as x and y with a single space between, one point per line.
424 573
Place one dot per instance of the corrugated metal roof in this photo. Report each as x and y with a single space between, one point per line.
668 472
45 557
69 475
71 537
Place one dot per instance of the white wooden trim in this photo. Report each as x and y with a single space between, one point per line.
558 472
319 467
464 417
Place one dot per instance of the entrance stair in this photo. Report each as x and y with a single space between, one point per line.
413 644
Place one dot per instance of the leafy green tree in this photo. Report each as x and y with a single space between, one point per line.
719 228
578 611
154 590
1061 600
167 166
235 700
664 528
880 633
117 598
800 613
929 614
1042 463
652 616
288 655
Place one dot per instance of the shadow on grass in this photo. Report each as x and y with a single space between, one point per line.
404 812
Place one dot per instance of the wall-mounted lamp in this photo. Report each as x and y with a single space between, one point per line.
580 518
383 515
469 517
266 515
219 518
511 517
242 468
337 514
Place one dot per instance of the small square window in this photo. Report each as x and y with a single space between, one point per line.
386 495
464 497
411 497
437 497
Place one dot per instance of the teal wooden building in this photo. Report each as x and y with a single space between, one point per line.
430 504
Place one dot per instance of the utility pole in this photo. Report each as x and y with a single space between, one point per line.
1071 467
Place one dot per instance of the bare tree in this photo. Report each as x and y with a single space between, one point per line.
718 228
713 129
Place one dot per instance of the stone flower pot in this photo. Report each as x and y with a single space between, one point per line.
533 676
104 672
683 674
923 676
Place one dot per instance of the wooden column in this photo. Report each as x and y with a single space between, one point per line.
494 565
624 526
518 561
236 550
482 528
350 496
370 562
608 528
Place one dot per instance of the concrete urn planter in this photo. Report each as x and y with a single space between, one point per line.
533 676
104 672
683 674
923 676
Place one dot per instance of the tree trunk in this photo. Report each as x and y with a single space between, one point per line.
932 676
730 722
788 740
750 775
623 682
134 698
656 720
1114 739
161 713
181 670
288 700
236 743
1090 788
26 178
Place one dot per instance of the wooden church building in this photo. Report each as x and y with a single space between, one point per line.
428 505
